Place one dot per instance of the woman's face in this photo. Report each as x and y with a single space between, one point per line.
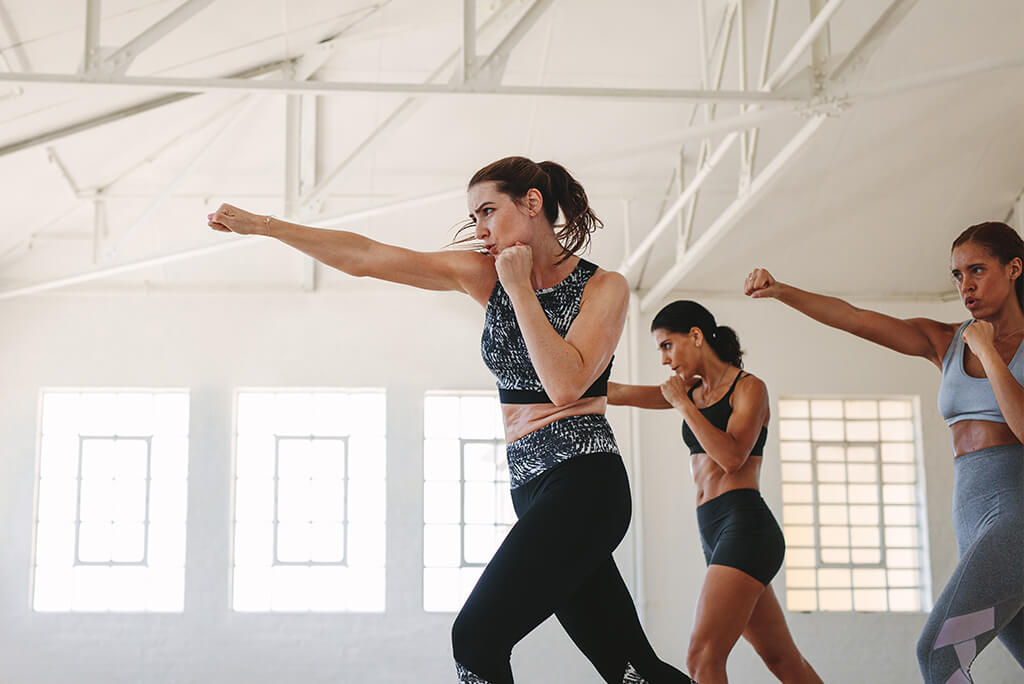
678 351
983 283
500 221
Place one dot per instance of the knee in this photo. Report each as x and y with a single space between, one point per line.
472 641
703 655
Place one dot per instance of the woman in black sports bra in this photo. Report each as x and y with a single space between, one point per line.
726 415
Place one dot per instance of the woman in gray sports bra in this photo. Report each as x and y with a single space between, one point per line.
982 400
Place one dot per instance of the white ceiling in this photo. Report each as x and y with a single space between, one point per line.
868 206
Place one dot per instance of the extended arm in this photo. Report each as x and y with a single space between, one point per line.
913 336
468 272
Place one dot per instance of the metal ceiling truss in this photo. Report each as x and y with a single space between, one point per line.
824 100
465 73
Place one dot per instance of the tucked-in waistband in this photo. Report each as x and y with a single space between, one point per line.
558 441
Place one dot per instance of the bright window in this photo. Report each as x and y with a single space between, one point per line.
852 505
110 519
467 509
309 501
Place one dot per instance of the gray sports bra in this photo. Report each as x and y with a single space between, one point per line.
964 397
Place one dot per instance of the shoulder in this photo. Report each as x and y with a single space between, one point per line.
608 284
749 387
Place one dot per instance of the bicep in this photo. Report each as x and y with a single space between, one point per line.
461 271
596 330
911 336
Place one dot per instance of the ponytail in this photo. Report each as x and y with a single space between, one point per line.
683 315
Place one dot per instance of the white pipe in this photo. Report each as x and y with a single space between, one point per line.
203 85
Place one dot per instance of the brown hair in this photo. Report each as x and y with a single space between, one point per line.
515 176
1002 242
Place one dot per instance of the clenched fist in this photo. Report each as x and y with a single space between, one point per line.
760 283
514 265
231 219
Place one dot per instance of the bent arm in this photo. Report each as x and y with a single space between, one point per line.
730 448
567 367
1009 393
640 396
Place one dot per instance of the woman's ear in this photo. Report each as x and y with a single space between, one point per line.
534 202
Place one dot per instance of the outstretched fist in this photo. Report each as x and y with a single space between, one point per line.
760 283
231 219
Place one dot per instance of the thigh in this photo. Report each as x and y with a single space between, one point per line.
983 598
724 608
568 528
768 632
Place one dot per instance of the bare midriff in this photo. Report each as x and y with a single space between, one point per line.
974 435
522 419
712 480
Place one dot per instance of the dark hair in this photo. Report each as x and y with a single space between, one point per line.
683 315
515 176
1002 242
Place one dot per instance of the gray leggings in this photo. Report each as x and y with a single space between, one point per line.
985 596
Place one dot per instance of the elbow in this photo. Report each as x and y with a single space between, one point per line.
734 465
562 399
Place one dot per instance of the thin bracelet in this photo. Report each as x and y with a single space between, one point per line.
266 221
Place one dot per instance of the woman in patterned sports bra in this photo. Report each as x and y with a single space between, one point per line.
552 321
726 415
981 397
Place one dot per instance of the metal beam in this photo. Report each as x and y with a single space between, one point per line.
117 115
801 45
398 115
732 214
468 39
819 24
930 79
491 69
210 85
857 58
119 61
93 13
821 49
325 221
666 219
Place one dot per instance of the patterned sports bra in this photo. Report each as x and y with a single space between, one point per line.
504 349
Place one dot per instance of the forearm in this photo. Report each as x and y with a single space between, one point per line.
639 396
831 311
345 251
1009 393
719 445
559 365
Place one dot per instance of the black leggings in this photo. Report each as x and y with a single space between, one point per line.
558 559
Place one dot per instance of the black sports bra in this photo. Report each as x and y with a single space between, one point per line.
718 415
504 349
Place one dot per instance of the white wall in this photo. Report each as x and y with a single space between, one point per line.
408 343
